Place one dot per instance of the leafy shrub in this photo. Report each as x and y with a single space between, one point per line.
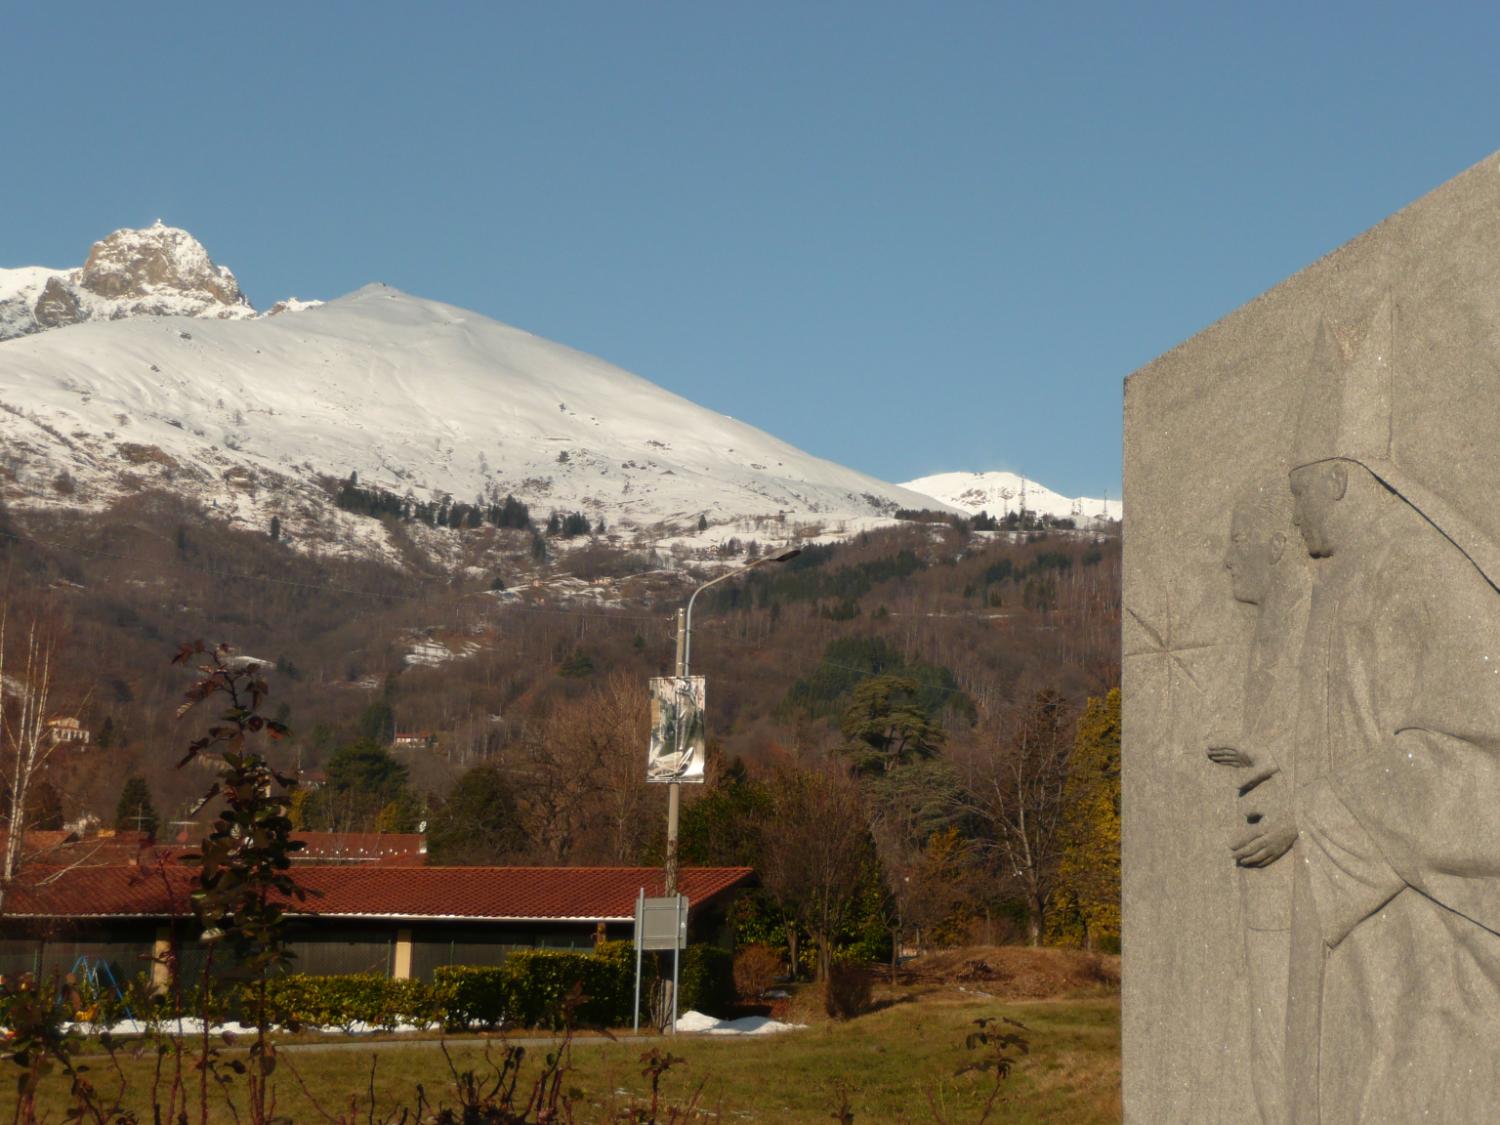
755 970
846 992
542 980
707 983
533 986
472 995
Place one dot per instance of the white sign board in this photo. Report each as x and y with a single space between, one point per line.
678 742
661 923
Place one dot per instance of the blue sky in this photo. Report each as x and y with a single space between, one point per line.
907 237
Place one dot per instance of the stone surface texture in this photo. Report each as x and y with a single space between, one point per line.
1331 704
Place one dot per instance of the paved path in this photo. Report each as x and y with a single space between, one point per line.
495 1042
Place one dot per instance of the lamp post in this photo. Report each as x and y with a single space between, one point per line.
684 652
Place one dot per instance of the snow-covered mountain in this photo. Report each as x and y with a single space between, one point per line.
998 493
158 271
260 417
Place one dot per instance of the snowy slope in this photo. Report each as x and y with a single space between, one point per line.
414 396
998 493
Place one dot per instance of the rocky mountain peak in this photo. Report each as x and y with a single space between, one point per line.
154 271
157 261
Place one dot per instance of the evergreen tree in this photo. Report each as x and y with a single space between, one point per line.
134 812
367 768
722 827
400 815
275 529
703 523
1090 865
886 725
479 823
576 665
377 723
363 779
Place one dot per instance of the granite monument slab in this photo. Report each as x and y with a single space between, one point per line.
1311 691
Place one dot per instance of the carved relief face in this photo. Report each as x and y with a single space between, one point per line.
1253 551
1316 491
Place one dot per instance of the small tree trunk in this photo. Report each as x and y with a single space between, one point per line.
1035 918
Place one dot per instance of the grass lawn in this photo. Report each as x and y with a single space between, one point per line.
896 1064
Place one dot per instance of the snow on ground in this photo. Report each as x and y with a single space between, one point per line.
191 1026
430 652
700 1024
691 1022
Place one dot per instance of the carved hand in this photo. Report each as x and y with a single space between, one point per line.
1230 756
1271 829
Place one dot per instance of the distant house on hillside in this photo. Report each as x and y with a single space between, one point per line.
66 730
413 739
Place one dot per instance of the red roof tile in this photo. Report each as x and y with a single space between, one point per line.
587 894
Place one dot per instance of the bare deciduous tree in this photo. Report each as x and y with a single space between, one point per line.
1015 785
583 777
816 853
25 742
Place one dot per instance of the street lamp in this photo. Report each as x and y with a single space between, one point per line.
684 650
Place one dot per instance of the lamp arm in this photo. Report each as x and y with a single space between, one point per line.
687 627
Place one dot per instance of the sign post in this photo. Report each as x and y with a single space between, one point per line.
660 923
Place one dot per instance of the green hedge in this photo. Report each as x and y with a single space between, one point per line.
472 995
542 981
343 1001
530 988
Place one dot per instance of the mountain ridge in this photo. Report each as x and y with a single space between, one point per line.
1001 492
255 418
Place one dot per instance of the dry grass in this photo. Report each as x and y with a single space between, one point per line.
1014 972
898 1063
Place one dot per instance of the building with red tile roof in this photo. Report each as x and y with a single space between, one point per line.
401 920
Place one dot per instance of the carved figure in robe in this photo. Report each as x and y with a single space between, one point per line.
1265 572
1394 986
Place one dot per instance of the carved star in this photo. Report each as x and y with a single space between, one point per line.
1162 644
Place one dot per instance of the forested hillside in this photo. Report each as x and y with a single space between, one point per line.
928 677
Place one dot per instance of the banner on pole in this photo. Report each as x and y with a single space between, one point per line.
677 735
